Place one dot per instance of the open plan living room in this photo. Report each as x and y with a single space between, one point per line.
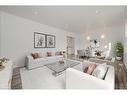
63 47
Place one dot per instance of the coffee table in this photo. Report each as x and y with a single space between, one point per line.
58 68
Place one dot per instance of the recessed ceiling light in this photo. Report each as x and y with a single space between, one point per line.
102 36
88 38
106 46
36 13
96 11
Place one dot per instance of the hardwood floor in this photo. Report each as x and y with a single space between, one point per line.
120 76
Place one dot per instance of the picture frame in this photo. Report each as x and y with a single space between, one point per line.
39 40
50 41
95 43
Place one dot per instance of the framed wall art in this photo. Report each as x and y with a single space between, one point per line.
50 41
39 40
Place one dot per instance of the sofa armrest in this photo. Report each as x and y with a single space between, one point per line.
110 76
78 80
29 60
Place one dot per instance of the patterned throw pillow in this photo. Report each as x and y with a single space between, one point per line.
35 55
91 69
49 54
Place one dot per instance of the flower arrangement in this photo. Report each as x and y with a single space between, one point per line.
3 61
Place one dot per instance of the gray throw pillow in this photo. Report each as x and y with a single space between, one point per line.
100 71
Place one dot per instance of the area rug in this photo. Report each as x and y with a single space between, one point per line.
16 82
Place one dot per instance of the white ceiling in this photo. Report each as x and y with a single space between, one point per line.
71 18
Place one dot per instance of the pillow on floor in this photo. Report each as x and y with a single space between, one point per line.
100 71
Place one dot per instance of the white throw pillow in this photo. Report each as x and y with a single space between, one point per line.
40 55
100 71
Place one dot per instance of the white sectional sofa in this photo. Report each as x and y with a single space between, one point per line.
77 79
6 76
34 63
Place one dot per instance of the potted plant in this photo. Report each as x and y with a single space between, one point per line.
119 50
3 61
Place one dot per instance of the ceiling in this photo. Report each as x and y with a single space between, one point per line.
71 18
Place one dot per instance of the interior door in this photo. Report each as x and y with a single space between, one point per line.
70 45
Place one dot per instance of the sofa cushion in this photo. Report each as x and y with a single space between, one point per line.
100 71
40 55
40 60
35 55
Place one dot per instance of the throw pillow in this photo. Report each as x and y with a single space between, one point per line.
35 55
49 54
40 55
85 70
100 71
61 53
91 69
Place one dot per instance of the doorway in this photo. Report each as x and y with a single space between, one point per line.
70 46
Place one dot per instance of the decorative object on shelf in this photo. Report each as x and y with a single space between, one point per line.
2 62
98 53
64 54
50 41
119 50
39 40
94 43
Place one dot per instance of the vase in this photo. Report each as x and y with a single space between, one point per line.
118 58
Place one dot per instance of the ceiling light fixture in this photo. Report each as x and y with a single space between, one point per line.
36 13
96 11
106 46
88 38
102 36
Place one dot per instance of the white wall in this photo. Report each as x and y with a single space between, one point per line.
0 34
17 37
112 34
79 42
70 34
125 45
